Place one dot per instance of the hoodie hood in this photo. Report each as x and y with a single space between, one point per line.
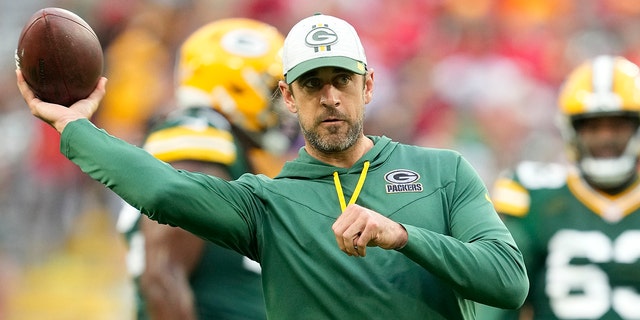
307 167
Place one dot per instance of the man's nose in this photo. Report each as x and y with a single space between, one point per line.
329 96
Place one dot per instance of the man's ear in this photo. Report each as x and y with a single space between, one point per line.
287 96
368 86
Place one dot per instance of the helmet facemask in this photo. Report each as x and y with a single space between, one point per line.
607 172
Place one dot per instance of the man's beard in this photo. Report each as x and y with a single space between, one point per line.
334 141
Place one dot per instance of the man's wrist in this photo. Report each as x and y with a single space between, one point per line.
405 239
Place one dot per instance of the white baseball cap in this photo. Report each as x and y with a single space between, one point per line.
322 41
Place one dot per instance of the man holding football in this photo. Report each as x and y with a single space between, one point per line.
333 240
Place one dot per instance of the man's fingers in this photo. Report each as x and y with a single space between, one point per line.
24 88
348 231
348 236
359 245
87 107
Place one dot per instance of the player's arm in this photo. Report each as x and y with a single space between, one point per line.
157 190
171 255
511 201
479 258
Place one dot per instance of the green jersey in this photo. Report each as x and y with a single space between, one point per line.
580 245
458 249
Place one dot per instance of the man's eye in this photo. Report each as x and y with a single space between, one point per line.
312 83
343 80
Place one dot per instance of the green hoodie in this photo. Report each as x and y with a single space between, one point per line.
458 249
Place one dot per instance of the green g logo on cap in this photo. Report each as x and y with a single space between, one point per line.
320 38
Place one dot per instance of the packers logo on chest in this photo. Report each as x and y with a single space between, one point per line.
402 180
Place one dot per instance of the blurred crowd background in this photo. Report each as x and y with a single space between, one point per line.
478 76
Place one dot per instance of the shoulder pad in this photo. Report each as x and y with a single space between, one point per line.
540 175
511 193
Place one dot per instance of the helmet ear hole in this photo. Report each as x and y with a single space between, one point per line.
236 89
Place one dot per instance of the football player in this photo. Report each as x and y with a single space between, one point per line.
578 226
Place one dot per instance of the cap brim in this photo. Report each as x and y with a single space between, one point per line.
341 62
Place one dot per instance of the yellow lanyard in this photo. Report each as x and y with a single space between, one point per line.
356 192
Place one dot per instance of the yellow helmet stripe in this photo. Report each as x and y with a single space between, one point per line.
183 143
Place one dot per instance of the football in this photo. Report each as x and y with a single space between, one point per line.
60 56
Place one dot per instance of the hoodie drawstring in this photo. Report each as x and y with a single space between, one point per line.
356 192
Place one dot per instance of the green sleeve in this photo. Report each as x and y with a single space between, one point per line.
484 312
201 204
479 259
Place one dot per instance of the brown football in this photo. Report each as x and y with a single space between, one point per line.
60 56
